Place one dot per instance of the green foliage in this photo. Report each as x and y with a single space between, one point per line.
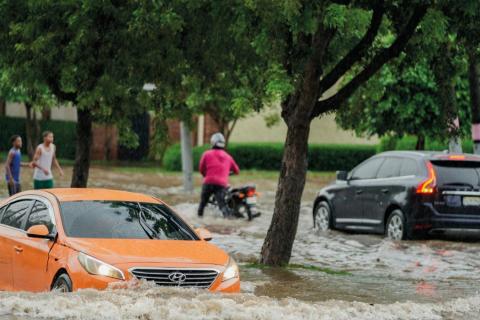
403 99
89 54
65 134
408 143
268 156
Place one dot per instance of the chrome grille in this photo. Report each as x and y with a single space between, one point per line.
194 278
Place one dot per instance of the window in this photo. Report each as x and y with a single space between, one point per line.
367 170
16 213
122 220
409 168
390 168
460 173
40 215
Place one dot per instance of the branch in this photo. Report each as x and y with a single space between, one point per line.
375 64
358 52
61 95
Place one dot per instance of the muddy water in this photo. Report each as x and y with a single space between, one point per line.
357 276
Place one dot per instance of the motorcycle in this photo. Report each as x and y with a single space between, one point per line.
242 202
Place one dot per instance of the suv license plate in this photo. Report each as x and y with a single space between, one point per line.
471 201
253 200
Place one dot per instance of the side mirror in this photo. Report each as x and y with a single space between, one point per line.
204 234
342 175
39 231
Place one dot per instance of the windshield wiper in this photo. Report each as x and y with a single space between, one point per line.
143 223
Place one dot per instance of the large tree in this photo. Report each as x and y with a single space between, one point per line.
87 53
316 44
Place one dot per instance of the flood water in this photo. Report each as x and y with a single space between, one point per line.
354 275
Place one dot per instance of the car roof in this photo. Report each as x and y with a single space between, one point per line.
83 194
431 155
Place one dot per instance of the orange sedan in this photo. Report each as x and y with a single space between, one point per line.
69 239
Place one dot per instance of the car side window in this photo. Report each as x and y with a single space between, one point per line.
367 170
40 215
390 168
16 214
409 168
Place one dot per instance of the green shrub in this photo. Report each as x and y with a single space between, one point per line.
268 156
409 143
65 134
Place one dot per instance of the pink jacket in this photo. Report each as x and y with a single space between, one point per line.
215 166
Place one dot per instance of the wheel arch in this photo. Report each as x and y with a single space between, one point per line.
392 207
57 274
320 198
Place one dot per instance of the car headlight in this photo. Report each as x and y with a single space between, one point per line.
231 271
95 266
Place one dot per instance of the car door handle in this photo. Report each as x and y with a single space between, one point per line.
18 249
385 190
359 191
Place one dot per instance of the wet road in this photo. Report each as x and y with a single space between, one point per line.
337 275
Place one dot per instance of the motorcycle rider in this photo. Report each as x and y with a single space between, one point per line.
215 167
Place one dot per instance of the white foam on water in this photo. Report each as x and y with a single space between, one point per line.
148 302
372 254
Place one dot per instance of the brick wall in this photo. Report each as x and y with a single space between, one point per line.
210 128
105 142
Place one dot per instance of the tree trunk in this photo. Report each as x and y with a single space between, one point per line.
474 83
420 142
187 157
278 244
32 130
3 107
46 114
229 130
82 154
296 112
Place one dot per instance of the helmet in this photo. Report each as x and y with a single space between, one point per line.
217 140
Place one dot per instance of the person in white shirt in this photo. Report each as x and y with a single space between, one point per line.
42 162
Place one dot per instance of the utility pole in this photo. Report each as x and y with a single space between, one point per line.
455 143
187 156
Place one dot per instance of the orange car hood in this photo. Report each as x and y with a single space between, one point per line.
115 251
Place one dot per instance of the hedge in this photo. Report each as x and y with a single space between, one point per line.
65 134
409 142
268 156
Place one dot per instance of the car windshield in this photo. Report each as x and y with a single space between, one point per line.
122 220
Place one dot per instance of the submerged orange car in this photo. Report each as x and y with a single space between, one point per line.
68 239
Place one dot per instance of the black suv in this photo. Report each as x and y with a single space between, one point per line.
404 194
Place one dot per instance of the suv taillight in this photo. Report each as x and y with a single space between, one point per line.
428 185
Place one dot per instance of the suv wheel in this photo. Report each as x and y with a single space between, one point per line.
322 217
396 228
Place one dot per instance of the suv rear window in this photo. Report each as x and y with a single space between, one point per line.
457 173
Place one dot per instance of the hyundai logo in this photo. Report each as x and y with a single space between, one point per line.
177 277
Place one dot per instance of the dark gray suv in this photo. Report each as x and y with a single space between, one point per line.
404 195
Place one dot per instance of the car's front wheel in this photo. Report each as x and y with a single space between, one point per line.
396 227
62 283
322 216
